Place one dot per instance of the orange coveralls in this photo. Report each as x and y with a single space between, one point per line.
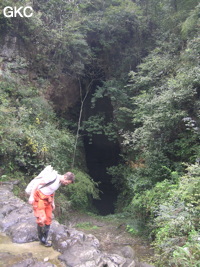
42 208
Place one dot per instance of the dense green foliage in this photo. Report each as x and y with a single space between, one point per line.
164 134
25 117
142 55
172 210
31 138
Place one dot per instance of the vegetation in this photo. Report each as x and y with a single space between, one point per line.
172 210
86 226
141 57
31 138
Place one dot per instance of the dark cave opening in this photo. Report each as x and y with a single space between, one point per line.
100 155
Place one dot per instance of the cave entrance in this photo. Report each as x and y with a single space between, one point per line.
100 155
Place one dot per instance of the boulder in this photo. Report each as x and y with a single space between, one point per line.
33 263
77 249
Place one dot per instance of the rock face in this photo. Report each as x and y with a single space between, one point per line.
77 249
18 62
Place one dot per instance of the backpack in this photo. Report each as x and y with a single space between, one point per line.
47 172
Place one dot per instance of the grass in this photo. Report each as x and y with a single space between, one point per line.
86 226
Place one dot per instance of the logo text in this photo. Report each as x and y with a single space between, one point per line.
21 11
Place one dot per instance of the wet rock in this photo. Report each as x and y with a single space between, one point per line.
24 231
128 252
6 259
21 260
63 238
78 249
78 255
33 263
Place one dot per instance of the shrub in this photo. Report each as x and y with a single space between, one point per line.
176 223
81 193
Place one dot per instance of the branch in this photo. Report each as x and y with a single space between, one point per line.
80 117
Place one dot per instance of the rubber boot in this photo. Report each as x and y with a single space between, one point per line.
45 236
40 232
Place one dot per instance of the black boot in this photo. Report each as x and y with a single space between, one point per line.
45 236
40 232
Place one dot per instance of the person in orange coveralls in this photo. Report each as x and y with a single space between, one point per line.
42 199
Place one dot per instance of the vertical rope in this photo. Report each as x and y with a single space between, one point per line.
80 117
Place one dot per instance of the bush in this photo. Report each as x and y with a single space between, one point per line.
30 138
81 193
175 211
171 210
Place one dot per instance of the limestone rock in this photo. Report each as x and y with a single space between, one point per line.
77 249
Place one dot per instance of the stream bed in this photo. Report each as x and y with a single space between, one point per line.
13 253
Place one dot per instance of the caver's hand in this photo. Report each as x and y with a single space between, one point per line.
31 200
